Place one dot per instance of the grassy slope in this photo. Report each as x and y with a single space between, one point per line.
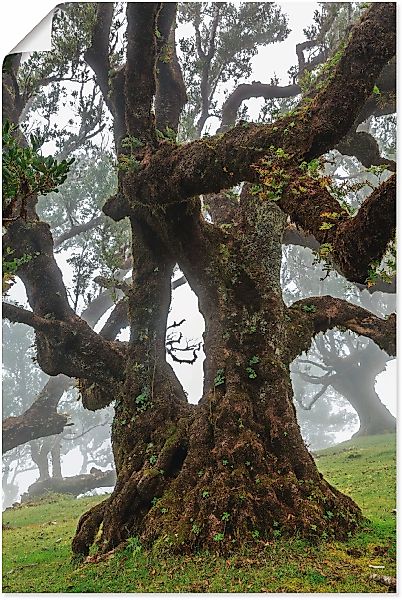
36 544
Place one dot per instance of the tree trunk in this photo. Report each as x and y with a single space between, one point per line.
39 455
234 469
374 416
56 459
10 489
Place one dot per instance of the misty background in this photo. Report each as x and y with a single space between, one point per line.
332 383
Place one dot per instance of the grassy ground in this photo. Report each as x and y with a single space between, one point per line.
36 544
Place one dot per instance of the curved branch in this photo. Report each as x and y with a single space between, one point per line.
313 315
71 347
372 44
256 89
365 148
222 161
296 236
355 242
33 238
97 57
366 235
41 419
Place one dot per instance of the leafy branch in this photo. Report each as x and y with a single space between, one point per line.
26 172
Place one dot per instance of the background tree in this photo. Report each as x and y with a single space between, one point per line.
225 39
337 361
239 453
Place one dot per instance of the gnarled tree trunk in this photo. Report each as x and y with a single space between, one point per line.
234 468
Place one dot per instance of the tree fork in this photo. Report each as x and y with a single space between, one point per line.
226 160
240 466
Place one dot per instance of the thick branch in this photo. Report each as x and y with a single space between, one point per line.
296 236
117 321
41 419
245 91
383 103
170 89
97 55
372 44
41 275
355 242
140 83
71 347
313 315
221 162
205 85
365 148
79 484
363 239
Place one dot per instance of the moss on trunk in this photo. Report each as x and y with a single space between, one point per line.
233 469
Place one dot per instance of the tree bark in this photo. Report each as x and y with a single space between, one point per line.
234 468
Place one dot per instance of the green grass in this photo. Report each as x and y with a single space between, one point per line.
37 538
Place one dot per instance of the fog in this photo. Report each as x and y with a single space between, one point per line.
332 418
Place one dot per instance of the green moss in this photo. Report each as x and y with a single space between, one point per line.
150 473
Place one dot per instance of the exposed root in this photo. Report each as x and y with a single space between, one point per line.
123 514
88 527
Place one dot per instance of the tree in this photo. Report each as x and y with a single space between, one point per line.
337 361
350 368
225 39
234 467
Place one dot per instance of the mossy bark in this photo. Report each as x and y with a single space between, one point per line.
235 468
